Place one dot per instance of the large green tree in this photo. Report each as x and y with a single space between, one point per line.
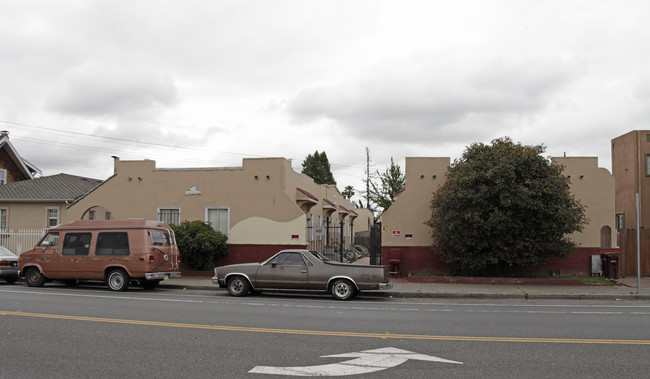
199 244
504 204
391 181
317 166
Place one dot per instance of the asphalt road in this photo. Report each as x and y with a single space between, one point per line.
84 332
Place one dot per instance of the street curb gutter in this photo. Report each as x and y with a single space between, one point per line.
422 295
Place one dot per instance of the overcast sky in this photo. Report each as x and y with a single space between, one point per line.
208 83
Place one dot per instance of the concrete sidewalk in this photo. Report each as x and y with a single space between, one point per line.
626 289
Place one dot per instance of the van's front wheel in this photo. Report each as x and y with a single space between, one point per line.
118 280
34 278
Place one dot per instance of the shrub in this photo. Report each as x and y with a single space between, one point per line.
199 244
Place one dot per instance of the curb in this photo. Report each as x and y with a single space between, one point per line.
422 295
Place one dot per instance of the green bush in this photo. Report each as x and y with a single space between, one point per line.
199 244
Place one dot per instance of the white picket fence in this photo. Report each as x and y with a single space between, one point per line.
20 240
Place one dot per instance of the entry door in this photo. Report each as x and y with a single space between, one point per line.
285 271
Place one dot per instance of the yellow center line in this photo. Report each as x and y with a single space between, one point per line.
325 333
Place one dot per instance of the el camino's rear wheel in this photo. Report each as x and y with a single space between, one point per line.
238 286
342 289
34 278
118 280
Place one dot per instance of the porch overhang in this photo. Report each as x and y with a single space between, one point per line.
305 200
328 208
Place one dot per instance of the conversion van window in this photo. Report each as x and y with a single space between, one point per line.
76 244
112 243
156 237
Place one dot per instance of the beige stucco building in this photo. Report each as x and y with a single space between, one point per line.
404 230
262 206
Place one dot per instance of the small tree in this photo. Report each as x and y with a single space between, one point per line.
317 166
199 244
391 182
504 204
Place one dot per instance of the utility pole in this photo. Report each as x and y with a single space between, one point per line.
367 177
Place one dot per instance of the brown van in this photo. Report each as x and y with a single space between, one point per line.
115 251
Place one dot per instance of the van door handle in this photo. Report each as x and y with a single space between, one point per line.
304 271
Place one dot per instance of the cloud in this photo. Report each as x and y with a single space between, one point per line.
421 97
100 89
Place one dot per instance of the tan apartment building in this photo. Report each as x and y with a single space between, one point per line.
262 206
631 169
404 231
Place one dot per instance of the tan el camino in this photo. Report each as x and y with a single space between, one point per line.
302 270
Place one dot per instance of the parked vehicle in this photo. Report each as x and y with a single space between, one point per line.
117 252
9 270
302 270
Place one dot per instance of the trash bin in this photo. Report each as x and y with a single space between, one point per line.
610 265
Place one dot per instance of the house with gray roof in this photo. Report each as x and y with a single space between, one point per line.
39 202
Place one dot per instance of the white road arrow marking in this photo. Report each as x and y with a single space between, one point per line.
365 362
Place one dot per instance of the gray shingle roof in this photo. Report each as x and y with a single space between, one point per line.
60 187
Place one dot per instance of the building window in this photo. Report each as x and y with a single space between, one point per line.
3 176
91 215
52 217
171 216
219 219
647 165
620 221
3 219
108 216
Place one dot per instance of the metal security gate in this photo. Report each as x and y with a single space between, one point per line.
326 240
375 244
21 240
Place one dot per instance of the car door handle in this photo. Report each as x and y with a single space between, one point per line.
304 271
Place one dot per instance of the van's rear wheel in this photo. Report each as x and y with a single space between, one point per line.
34 278
118 280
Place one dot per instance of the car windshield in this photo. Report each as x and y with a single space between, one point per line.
318 255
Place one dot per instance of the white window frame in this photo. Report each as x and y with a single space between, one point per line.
160 209
3 219
207 218
3 176
49 218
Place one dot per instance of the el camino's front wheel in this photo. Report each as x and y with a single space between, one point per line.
342 289
238 286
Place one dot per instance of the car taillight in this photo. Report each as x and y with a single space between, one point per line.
3 263
151 258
